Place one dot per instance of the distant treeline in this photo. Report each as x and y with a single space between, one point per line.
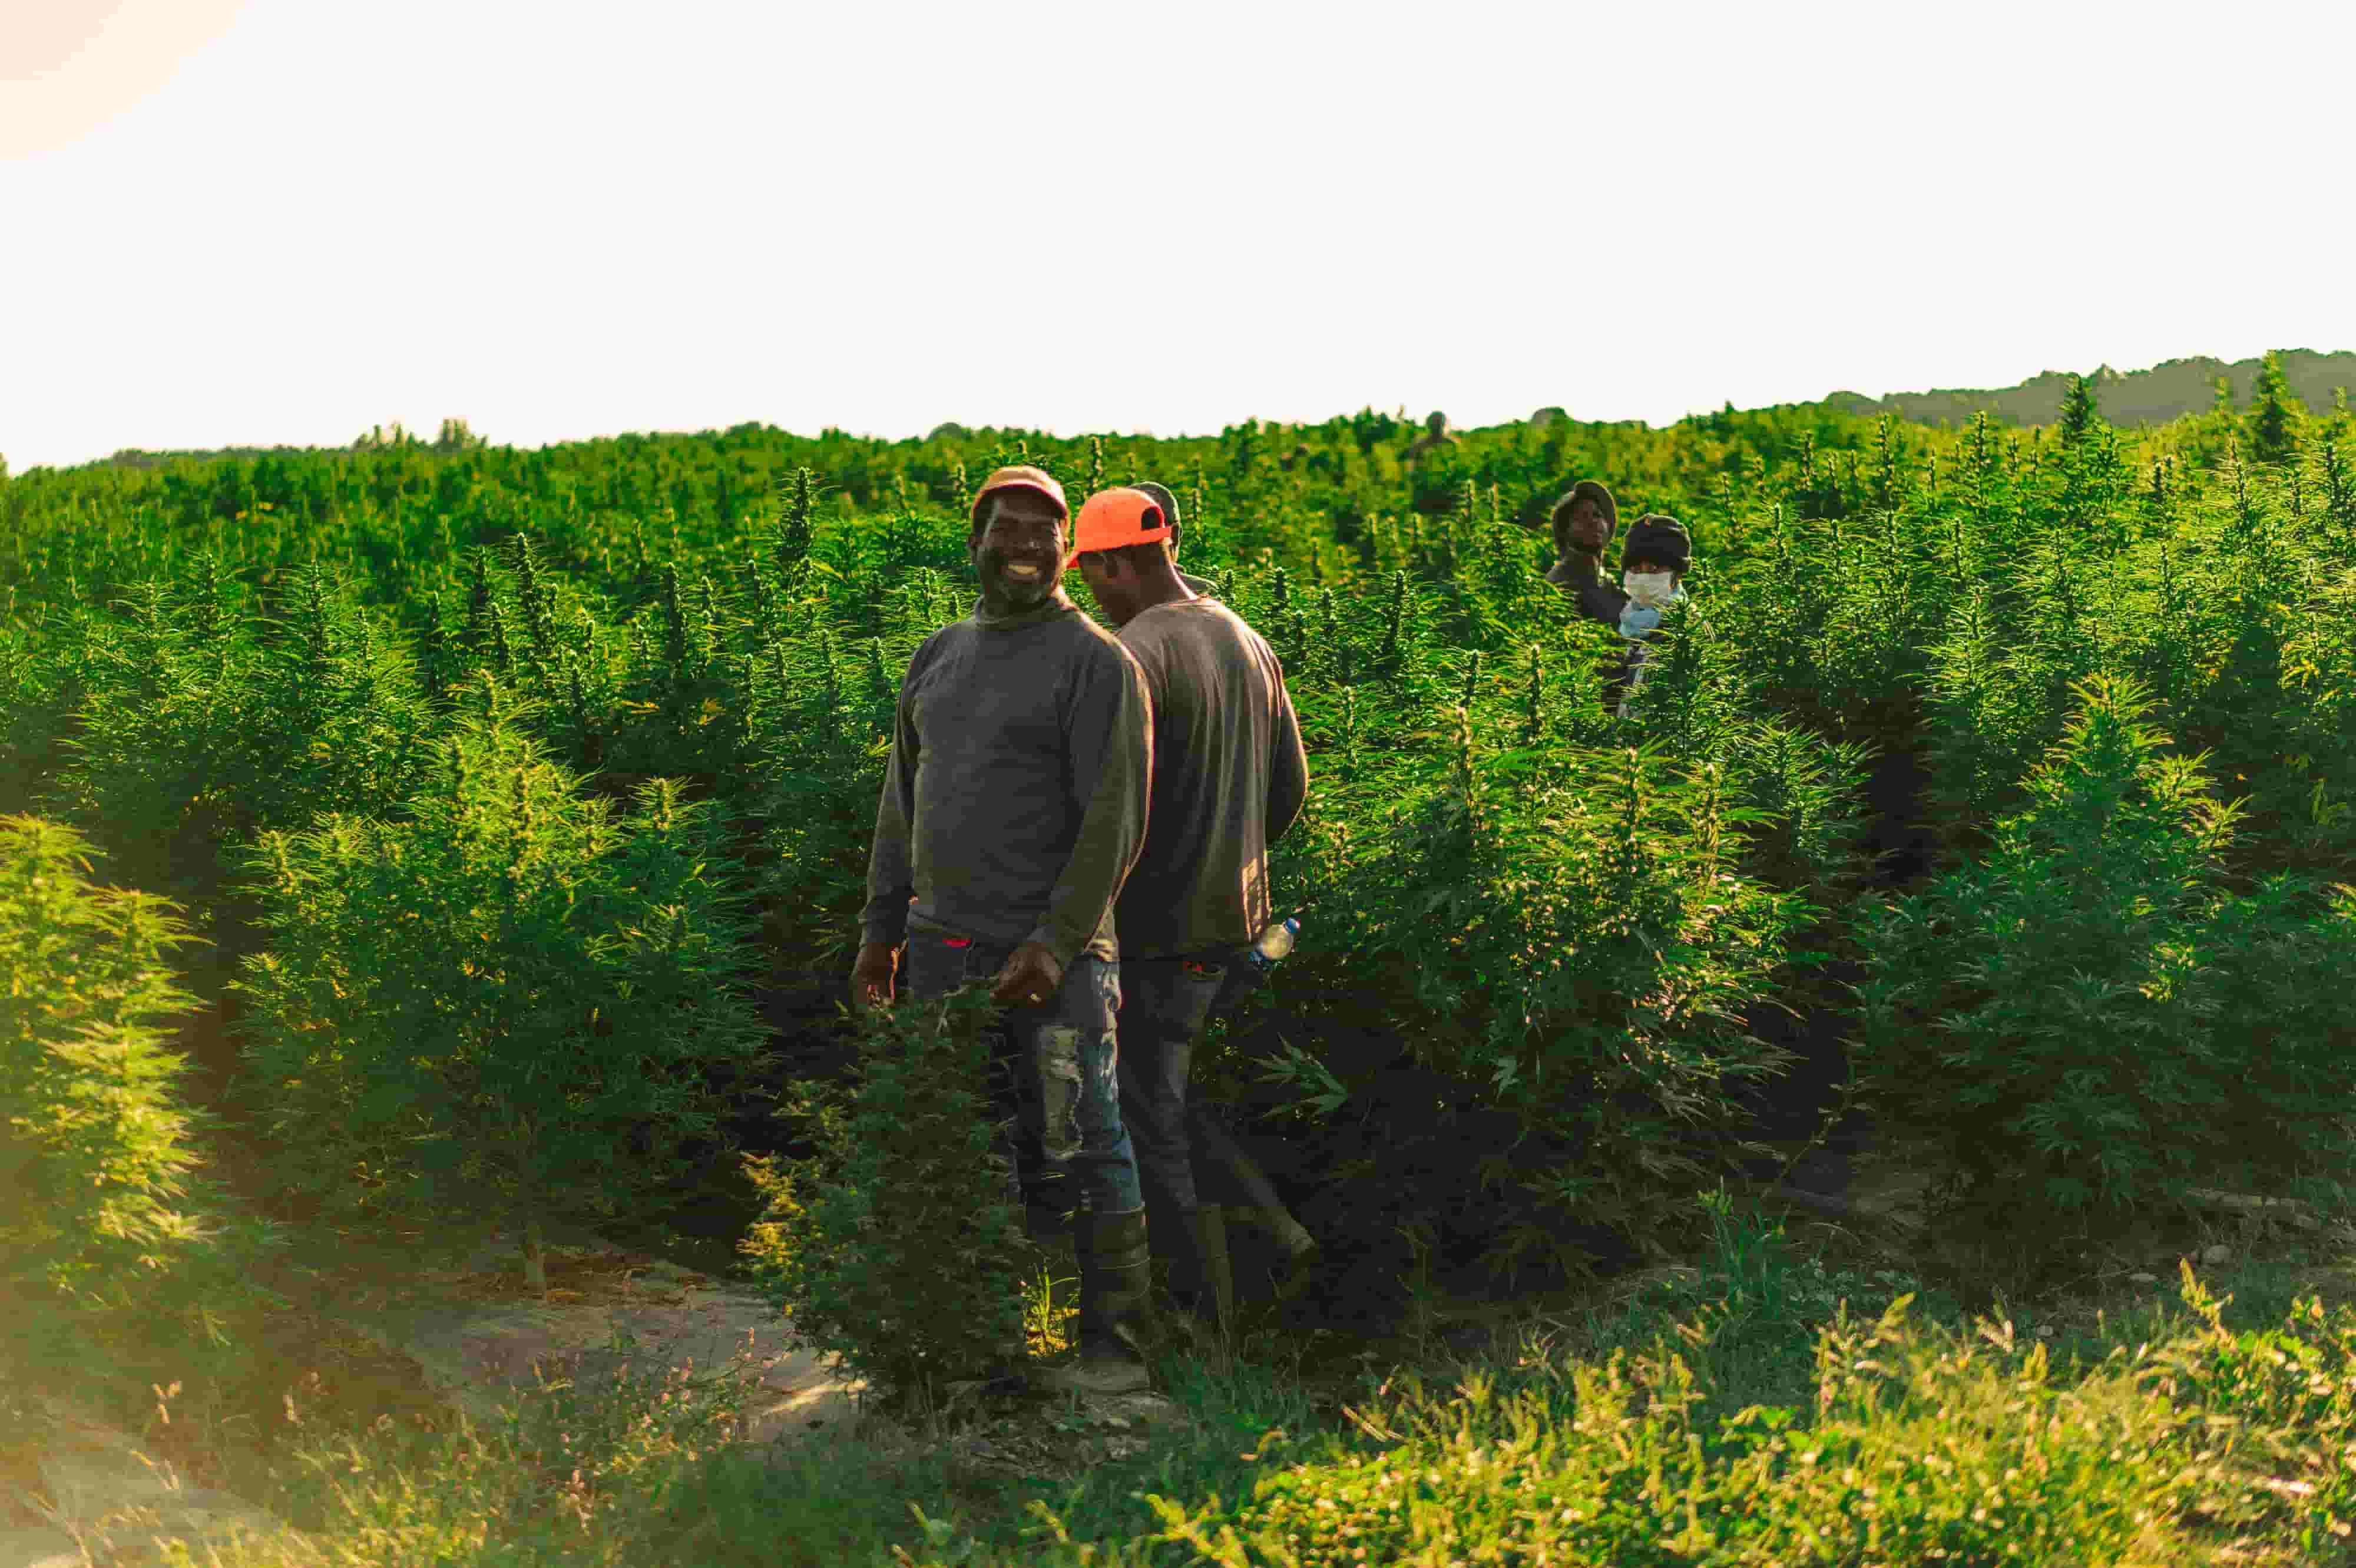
455 436
2166 391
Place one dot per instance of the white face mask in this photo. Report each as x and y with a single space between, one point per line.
1650 589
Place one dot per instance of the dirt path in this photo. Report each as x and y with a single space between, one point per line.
484 1339
86 1494
93 1497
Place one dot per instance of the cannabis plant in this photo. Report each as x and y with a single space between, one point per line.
39 696
2275 413
1582 945
507 1003
2086 1019
95 1143
897 1246
1802 796
202 723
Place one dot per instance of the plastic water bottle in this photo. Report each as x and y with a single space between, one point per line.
1247 975
1276 940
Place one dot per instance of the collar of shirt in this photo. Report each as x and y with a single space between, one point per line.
1058 603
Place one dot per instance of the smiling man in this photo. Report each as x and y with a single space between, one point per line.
1012 809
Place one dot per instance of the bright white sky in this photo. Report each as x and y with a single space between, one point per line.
286 220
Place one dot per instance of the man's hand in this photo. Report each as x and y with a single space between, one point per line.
870 976
1031 977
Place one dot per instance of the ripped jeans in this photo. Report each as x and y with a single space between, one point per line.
1054 1076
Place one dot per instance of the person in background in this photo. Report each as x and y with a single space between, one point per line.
1584 520
1169 505
1435 435
1229 777
1012 809
1652 569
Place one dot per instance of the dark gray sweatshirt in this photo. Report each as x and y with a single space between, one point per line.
1014 803
1580 574
1229 776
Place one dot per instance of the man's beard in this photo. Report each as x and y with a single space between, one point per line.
1011 591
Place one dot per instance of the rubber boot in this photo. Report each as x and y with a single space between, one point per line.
1215 1306
1115 1276
1165 1232
1201 1285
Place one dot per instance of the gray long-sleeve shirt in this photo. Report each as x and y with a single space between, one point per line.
1014 803
1229 776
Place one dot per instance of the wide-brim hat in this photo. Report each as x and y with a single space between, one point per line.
1586 490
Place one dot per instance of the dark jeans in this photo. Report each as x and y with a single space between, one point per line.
1163 1004
1054 1073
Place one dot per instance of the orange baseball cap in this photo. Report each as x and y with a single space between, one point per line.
1021 476
1110 519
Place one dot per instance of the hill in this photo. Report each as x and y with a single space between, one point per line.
2166 391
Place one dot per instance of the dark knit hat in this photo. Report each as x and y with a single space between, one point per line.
1585 490
1657 538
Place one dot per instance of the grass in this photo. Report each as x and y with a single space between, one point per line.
1789 1398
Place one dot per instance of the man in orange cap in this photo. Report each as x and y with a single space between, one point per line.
1229 776
1013 807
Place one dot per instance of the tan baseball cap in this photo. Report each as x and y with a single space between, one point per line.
1021 476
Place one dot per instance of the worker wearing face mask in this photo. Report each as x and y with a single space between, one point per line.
1652 566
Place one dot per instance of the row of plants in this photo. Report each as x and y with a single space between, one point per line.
1745 1414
